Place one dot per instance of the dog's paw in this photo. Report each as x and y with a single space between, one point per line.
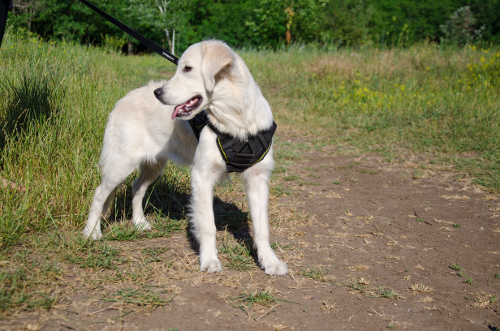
275 268
211 266
92 233
143 225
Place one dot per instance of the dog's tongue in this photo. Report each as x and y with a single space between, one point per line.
186 106
176 110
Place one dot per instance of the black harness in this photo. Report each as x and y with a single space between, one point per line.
238 155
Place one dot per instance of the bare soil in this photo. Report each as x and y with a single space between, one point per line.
369 244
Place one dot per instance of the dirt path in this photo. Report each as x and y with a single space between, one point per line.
370 245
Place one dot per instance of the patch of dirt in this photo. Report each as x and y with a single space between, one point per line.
369 244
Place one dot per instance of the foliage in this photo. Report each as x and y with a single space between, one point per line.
461 27
223 20
261 23
346 22
72 20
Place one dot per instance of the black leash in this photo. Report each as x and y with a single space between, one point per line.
152 46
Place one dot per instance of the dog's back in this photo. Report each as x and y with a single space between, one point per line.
140 130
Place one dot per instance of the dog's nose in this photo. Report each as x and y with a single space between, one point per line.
158 92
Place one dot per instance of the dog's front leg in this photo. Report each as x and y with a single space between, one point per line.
203 181
256 180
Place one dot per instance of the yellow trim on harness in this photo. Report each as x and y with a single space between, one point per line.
265 153
218 141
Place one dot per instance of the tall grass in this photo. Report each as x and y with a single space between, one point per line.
443 101
55 99
53 110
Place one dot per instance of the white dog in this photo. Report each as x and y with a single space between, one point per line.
145 131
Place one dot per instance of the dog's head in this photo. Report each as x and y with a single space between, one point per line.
201 68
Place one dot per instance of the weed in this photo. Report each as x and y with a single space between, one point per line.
384 293
287 154
315 273
469 280
418 173
20 287
280 191
165 227
361 285
276 245
154 253
370 172
358 286
457 225
420 288
122 232
94 255
239 256
482 299
142 297
291 177
279 169
309 184
264 298
455 267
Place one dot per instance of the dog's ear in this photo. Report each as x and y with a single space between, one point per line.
216 59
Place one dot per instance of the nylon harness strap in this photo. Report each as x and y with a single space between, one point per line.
238 155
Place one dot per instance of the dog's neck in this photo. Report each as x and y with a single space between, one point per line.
240 110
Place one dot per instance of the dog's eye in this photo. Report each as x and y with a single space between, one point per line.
187 69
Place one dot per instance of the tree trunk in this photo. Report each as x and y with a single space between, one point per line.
173 43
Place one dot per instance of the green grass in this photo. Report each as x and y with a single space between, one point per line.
291 178
238 256
469 281
264 298
315 273
439 101
143 297
442 102
24 286
372 292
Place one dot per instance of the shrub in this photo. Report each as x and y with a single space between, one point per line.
460 28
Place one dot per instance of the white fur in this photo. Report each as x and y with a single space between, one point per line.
141 134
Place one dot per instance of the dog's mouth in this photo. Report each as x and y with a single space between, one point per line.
186 108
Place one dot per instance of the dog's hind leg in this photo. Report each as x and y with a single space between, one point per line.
103 197
147 174
107 203
257 190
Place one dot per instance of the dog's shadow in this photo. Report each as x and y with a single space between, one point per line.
167 201
230 218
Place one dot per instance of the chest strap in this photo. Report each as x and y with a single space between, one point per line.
239 155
